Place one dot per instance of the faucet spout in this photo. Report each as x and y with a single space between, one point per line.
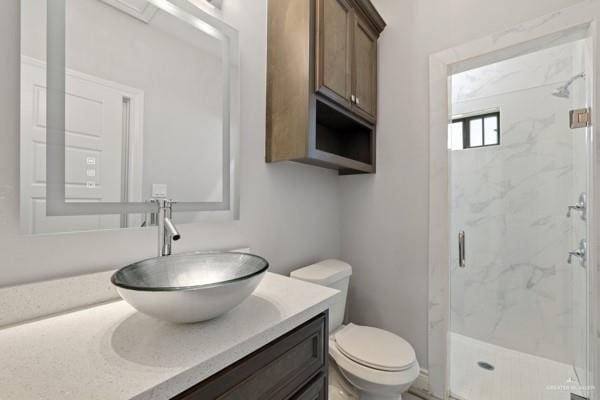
171 229
167 232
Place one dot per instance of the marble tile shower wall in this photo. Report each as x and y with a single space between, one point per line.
511 200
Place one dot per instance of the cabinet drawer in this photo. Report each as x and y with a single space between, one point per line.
316 390
275 371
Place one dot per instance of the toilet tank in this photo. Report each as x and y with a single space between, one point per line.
334 274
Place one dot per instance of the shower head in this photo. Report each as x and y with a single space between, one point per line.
564 91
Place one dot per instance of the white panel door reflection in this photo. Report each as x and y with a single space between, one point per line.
96 137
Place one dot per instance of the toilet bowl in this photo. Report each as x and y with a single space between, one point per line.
379 364
367 363
339 387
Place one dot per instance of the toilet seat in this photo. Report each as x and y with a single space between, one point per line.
359 370
375 348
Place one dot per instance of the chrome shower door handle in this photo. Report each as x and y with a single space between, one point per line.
461 249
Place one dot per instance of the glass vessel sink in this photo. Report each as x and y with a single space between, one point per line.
190 287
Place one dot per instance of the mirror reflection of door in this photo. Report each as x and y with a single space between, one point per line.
99 149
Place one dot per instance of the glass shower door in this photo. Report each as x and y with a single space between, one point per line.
519 184
578 91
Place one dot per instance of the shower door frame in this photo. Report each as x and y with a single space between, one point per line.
572 23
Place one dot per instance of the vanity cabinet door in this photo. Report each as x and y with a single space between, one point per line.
364 66
334 50
316 390
284 369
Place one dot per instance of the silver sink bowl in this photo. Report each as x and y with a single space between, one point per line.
190 287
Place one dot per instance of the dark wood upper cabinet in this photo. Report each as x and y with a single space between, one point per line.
346 58
322 83
364 67
334 50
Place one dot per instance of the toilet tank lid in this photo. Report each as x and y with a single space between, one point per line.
324 273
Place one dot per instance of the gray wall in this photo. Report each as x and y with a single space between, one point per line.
289 211
385 216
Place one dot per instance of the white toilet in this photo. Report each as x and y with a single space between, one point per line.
368 363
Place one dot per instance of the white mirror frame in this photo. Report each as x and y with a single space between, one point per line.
55 131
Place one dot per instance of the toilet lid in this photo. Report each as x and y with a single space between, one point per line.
375 348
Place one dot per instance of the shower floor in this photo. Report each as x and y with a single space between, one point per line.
516 375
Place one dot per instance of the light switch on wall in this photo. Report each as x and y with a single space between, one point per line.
159 190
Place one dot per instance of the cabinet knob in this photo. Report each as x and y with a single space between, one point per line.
357 101
353 99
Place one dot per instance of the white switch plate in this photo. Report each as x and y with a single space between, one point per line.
159 190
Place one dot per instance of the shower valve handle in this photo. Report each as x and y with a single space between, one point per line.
581 206
580 253
576 207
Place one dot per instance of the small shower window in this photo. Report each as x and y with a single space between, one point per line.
474 131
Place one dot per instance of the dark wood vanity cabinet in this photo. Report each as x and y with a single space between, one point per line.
293 367
316 390
322 83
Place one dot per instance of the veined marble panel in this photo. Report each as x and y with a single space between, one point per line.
553 65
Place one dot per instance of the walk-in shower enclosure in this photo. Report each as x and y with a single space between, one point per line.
513 224
518 195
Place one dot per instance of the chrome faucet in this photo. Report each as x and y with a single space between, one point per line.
167 232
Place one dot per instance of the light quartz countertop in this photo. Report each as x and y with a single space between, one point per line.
111 351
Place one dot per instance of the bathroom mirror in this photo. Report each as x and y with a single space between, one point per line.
123 101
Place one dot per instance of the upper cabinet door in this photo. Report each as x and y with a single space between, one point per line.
364 82
334 50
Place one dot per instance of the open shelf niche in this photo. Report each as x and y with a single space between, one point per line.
343 140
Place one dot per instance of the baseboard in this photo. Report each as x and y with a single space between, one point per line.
422 381
420 387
